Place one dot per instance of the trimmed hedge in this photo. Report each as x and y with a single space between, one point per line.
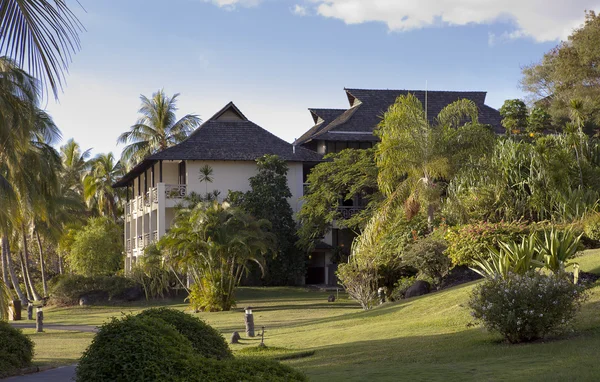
243 369
206 340
68 289
16 350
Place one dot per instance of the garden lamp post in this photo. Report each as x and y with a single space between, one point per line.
249 320
39 322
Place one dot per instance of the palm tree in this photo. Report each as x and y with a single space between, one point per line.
43 34
98 192
415 157
157 128
75 165
213 243
206 176
4 300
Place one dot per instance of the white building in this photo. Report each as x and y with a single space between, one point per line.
230 144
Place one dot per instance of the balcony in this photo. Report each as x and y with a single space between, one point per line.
349 211
175 191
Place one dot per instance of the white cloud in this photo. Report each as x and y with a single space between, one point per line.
542 20
299 10
231 4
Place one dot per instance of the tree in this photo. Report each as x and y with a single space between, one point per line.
268 199
97 185
97 249
43 34
415 159
569 71
75 165
213 243
343 176
514 116
157 128
206 176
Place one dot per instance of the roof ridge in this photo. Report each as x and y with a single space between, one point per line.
418 90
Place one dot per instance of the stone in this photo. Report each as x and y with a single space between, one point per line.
419 288
331 298
83 301
235 338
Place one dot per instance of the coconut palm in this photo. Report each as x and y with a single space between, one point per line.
41 34
97 185
157 128
213 243
75 165
4 300
415 157
206 176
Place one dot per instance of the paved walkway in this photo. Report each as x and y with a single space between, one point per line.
73 328
60 374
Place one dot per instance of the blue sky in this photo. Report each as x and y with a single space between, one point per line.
276 58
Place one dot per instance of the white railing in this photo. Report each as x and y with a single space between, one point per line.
175 191
348 212
147 199
140 203
154 236
127 209
154 192
128 246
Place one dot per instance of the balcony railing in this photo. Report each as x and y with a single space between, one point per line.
154 195
348 212
147 199
140 203
127 209
175 191
146 240
154 236
128 246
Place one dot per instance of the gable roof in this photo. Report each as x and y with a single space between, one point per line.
226 136
367 107
322 118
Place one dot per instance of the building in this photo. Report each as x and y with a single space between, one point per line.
230 144
339 129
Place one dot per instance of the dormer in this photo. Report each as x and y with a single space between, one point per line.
352 99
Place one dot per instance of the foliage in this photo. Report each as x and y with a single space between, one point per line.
97 185
268 199
16 349
401 286
157 128
152 274
345 176
416 158
591 226
68 289
557 247
472 241
526 307
4 299
213 243
360 282
97 249
136 349
511 258
245 369
566 72
514 116
427 255
539 120
206 341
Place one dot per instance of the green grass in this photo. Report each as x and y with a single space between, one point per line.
426 338
57 347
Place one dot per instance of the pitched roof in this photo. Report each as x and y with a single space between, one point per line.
367 107
322 118
227 136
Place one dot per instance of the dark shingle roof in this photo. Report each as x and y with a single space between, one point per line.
368 107
322 118
227 139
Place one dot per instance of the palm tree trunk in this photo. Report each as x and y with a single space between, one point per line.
11 271
42 265
5 270
25 284
34 293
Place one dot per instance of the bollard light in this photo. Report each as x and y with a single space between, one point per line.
249 321
249 310
39 324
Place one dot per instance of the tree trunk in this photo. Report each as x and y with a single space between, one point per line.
34 294
430 211
25 284
60 264
42 265
11 271
5 270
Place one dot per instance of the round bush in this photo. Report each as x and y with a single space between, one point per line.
526 307
16 349
243 369
206 340
591 227
136 349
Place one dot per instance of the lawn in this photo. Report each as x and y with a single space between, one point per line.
426 338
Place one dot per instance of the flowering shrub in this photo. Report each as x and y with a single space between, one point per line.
526 307
472 241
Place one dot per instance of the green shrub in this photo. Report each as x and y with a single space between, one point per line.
68 289
401 286
471 241
136 349
427 255
511 258
526 307
16 350
591 227
206 340
243 369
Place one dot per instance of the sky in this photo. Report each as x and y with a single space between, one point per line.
276 58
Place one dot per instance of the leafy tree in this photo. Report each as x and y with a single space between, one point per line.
97 249
268 199
514 116
569 71
43 34
343 176
416 158
539 120
213 243
157 128
97 185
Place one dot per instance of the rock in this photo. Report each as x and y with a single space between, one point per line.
83 301
235 338
331 298
131 294
93 298
419 288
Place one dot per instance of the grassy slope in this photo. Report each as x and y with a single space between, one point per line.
426 338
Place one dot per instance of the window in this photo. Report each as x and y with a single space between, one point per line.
182 179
